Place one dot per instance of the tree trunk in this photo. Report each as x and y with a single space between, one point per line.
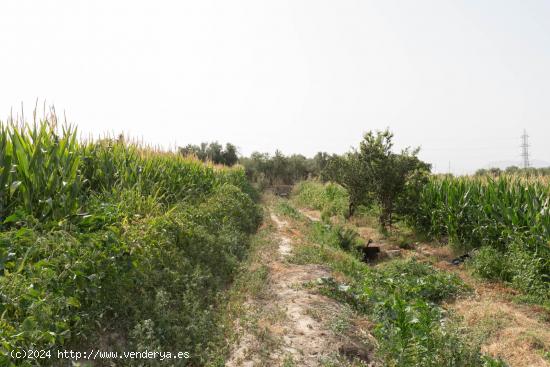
351 209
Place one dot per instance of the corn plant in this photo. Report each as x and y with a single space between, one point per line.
476 212
39 170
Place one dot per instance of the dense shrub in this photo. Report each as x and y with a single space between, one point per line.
491 263
331 199
184 258
336 236
413 280
524 269
284 208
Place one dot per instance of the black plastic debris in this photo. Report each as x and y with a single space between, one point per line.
369 253
459 260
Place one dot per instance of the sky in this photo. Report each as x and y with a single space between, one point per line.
460 79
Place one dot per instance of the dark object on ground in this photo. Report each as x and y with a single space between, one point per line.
406 246
369 253
459 260
354 351
282 190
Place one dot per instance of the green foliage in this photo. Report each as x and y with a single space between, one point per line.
508 218
524 269
393 178
184 258
411 334
336 236
402 299
284 208
266 170
348 171
331 199
212 152
54 282
134 243
491 263
375 175
347 238
39 172
413 280
476 212
530 270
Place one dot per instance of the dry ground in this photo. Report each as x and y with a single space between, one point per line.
292 325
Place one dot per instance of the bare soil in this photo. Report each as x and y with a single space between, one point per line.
295 325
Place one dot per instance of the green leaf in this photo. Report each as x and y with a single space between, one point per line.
29 324
14 185
73 301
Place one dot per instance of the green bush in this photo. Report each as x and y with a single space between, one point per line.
413 280
53 285
490 263
525 269
410 333
284 208
530 270
336 236
331 199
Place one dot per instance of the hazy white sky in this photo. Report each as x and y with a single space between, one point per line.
462 79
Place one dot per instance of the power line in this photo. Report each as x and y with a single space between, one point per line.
525 149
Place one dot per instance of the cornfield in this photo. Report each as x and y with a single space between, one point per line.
478 212
48 173
505 220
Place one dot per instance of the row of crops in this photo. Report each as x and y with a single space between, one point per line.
506 220
111 245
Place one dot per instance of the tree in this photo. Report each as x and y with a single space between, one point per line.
267 170
388 173
319 163
349 172
481 172
278 173
229 155
512 169
213 152
299 168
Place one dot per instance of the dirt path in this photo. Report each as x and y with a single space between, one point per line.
294 324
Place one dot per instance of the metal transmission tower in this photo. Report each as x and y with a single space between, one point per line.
525 149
